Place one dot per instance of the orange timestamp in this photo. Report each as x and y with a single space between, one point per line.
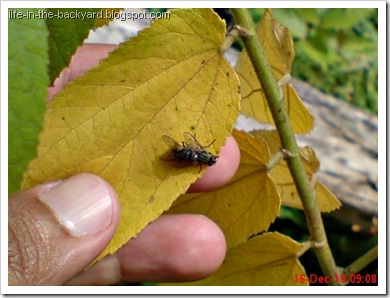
356 279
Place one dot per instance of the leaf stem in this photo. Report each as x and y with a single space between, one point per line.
306 246
282 122
275 160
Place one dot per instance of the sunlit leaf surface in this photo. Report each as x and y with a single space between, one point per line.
248 204
169 79
279 50
283 179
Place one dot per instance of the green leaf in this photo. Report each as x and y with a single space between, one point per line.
307 49
67 30
310 15
292 20
27 91
346 18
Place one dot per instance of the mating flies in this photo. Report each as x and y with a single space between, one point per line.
190 150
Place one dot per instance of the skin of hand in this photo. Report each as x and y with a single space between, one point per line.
58 228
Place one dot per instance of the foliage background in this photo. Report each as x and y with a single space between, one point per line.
338 57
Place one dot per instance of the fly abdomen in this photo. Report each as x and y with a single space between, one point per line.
185 154
189 150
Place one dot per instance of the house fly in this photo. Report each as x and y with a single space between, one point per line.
189 150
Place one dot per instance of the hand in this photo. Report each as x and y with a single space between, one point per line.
53 237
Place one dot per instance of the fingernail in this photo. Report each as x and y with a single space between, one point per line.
82 204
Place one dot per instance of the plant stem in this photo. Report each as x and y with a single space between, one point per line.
362 262
282 122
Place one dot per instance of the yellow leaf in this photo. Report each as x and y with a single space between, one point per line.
281 174
169 79
277 44
248 204
279 50
326 199
266 260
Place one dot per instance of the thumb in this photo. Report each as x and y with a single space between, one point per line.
57 229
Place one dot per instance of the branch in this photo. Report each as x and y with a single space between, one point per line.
282 122
362 262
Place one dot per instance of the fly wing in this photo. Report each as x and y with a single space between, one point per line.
192 142
170 142
168 155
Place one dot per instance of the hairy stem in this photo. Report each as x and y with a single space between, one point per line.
282 122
